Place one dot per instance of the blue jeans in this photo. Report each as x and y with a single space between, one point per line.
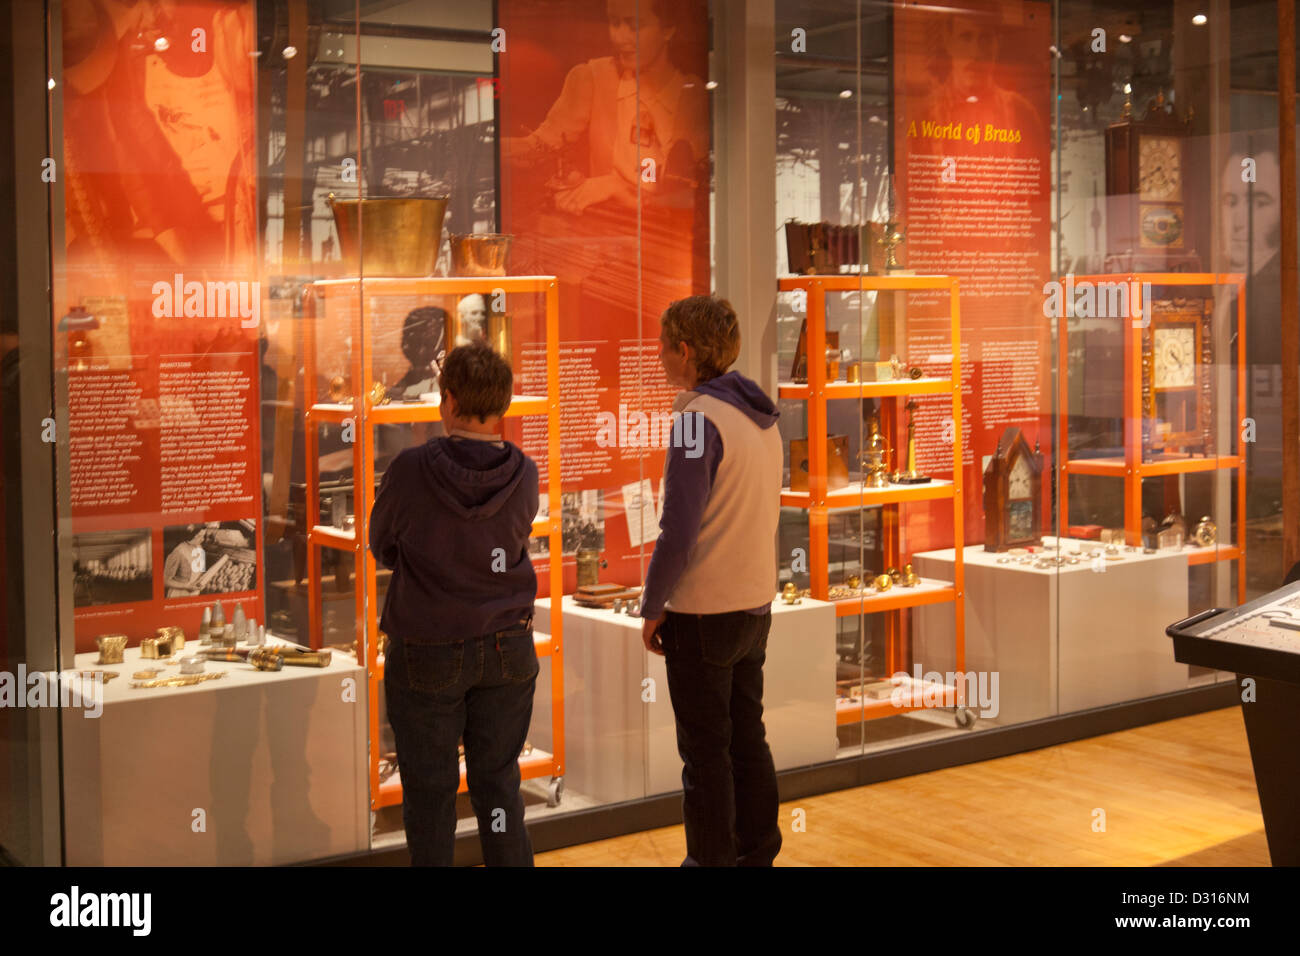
480 689
730 803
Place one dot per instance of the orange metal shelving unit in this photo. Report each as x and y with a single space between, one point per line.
364 417
818 501
1136 465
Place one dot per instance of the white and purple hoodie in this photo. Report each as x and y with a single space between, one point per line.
716 550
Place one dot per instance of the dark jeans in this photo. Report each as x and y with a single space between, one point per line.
480 689
715 677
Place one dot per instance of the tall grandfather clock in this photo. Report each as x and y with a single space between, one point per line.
1146 183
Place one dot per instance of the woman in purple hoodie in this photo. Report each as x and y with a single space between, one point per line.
708 593
452 519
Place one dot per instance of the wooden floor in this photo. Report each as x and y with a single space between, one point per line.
1178 793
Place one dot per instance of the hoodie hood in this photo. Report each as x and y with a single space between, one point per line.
474 479
734 389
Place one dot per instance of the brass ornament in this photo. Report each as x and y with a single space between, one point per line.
111 648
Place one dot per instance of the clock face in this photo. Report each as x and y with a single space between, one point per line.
1175 357
1018 482
1160 169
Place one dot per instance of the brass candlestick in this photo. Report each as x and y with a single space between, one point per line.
911 476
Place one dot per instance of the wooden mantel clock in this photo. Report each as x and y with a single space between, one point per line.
1146 183
1013 494
1177 367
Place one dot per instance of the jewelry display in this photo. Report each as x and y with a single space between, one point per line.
111 647
179 680
911 476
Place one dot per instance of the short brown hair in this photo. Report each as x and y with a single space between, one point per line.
479 378
708 324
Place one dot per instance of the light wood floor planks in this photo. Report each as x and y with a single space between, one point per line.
1177 793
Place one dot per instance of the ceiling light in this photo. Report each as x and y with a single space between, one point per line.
1200 19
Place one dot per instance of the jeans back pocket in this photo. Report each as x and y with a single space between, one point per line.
519 662
433 667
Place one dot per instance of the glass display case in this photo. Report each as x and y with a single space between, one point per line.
1024 379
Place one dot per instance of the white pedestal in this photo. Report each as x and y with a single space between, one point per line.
619 747
276 762
1061 639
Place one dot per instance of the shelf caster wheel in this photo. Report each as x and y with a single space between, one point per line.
555 791
965 717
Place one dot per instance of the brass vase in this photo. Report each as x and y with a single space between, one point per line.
479 253
401 236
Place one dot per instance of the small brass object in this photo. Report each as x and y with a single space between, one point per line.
854 372
894 575
111 648
790 594
884 582
338 390
105 676
148 673
910 578
149 648
853 581
378 394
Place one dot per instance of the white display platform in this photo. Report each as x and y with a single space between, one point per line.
621 748
276 762
1061 639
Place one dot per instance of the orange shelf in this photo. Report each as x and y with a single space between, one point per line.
536 764
335 538
435 285
1212 554
1133 467
1117 467
854 495
399 413
838 390
818 501
389 792
865 283
929 591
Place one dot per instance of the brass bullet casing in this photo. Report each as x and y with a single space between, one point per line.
790 593
311 659
910 578
265 659
883 582
111 648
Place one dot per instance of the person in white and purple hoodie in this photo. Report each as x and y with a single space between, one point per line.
707 602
